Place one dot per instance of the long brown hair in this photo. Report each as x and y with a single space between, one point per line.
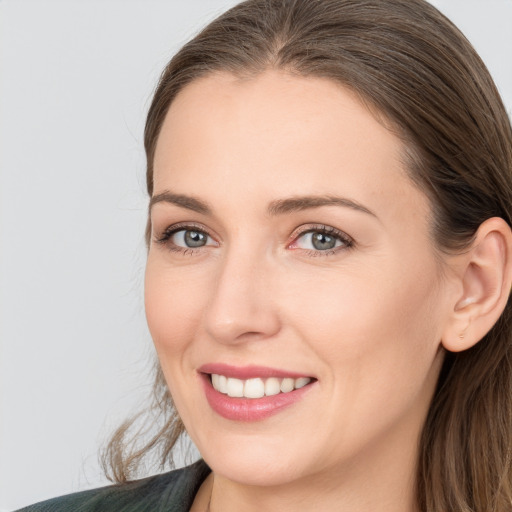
416 71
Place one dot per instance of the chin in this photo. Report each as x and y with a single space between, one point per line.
256 470
255 460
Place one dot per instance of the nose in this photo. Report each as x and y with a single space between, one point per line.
241 307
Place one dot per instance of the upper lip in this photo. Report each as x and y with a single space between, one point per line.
248 372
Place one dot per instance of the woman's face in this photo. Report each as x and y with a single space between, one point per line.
289 247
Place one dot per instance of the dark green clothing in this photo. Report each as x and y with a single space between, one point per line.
170 492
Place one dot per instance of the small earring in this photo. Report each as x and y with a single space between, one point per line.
463 333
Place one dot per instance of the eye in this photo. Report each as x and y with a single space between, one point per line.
322 239
189 238
185 239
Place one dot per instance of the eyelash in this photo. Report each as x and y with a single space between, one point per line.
347 242
164 239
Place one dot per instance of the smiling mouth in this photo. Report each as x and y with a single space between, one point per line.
252 393
256 387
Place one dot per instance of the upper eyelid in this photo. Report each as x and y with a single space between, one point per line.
187 226
331 230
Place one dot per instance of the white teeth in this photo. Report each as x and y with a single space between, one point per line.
272 386
286 385
235 387
223 384
256 387
301 382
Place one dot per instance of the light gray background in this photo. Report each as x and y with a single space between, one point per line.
76 78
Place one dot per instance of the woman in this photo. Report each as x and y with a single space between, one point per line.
329 267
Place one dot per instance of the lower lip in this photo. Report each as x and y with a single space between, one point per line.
250 409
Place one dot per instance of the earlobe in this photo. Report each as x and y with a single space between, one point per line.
486 279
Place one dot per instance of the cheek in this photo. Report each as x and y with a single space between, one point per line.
375 335
174 304
376 325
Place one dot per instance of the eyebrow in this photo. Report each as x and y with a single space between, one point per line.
188 202
276 207
294 204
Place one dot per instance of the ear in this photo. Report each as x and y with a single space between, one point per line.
486 279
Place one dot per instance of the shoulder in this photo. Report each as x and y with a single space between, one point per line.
173 491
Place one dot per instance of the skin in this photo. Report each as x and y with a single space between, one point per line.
366 320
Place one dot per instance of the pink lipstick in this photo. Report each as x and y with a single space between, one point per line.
252 393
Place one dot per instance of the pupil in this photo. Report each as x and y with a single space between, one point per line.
195 238
322 241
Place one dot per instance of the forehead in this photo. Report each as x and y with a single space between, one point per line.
272 104
278 134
